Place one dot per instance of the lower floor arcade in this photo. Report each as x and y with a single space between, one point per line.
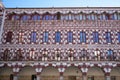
51 72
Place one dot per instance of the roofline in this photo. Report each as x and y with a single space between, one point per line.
60 7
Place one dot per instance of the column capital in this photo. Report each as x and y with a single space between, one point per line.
84 69
107 69
38 70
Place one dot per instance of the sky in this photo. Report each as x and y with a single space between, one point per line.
60 3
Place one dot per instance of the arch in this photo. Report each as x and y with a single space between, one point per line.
73 73
5 73
115 73
26 73
50 73
96 73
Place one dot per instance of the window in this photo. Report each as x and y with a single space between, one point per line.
110 54
57 37
45 37
47 16
113 78
107 17
58 16
119 37
70 37
108 37
82 37
33 37
25 17
6 54
91 78
15 17
20 38
36 17
9 37
95 37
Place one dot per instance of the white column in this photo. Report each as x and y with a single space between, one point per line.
1 28
107 78
84 76
84 73
15 77
38 71
61 77
38 77
107 73
61 71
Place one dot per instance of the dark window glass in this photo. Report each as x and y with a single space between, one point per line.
82 37
119 37
33 37
47 17
58 16
113 78
45 37
108 37
57 37
110 54
15 17
70 37
95 37
9 37
25 17
107 17
34 17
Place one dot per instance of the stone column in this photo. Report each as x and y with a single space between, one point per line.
61 71
107 70
84 73
61 76
38 71
15 76
38 76
84 76
107 76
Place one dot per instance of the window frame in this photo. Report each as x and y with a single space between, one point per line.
33 37
45 36
57 37
70 37
95 37
108 37
9 36
82 37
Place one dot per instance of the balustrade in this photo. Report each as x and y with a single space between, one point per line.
8 55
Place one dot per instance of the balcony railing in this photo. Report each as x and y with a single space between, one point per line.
57 57
28 24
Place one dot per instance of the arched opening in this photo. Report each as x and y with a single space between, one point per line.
50 73
72 73
9 36
58 16
26 73
6 73
95 73
115 73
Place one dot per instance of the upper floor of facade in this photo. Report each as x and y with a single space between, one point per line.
65 13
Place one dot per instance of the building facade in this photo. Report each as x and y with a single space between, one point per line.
67 43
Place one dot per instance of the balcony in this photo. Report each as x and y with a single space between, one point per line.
47 57
46 24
